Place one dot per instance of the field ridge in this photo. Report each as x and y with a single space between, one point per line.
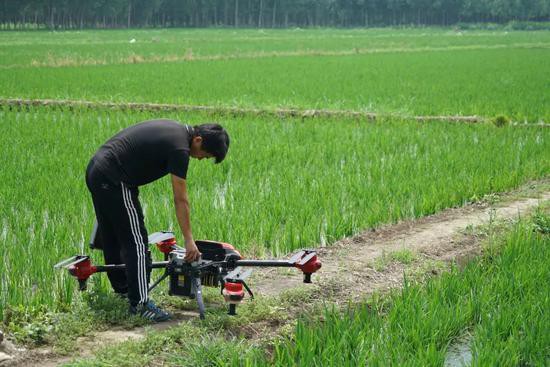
240 111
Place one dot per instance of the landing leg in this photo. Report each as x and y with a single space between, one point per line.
197 290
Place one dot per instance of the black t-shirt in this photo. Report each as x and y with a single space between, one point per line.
145 152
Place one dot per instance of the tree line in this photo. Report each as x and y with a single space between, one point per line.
74 14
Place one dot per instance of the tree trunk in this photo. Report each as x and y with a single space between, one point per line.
226 13
215 15
236 13
52 10
260 14
249 22
129 13
274 14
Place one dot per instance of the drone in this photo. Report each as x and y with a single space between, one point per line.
220 265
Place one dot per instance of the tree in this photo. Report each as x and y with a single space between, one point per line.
261 13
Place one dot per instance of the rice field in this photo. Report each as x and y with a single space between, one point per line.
431 73
31 49
315 191
287 183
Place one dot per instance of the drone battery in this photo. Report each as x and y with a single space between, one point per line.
180 285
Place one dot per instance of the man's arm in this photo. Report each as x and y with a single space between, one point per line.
181 202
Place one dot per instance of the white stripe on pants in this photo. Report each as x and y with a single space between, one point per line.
138 239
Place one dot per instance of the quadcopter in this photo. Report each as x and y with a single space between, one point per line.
220 265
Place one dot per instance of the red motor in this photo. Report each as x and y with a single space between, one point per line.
80 267
233 292
308 264
167 246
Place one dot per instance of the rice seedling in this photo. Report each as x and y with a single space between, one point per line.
413 75
285 184
498 298
35 49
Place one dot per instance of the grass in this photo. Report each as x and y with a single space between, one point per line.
499 297
403 256
330 179
96 311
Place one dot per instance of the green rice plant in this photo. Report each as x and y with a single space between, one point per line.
458 82
500 298
104 47
286 184
501 121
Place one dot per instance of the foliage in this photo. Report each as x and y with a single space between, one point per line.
541 223
263 13
501 121
287 183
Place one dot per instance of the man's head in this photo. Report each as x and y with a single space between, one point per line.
209 141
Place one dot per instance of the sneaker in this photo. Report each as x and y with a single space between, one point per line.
150 311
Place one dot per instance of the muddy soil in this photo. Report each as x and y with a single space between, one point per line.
352 267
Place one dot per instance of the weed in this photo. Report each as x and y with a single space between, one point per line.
501 121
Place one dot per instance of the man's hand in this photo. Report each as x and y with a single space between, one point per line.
191 252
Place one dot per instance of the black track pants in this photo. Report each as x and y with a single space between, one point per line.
121 233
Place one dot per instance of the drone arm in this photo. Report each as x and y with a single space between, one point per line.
81 267
264 263
111 267
305 260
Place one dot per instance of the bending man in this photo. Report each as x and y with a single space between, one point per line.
136 156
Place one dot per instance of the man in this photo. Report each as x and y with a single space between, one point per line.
136 156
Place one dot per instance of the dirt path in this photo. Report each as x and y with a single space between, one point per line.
349 266
439 237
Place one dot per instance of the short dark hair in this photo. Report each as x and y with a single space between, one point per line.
215 139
